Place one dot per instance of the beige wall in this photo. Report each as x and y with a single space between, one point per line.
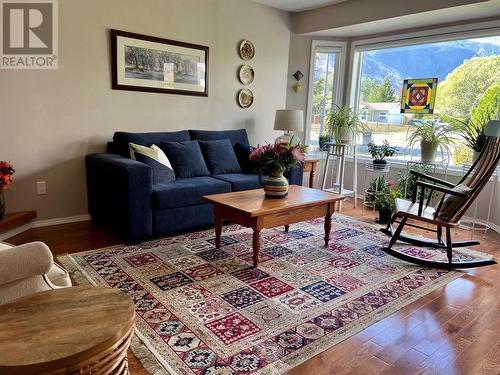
50 120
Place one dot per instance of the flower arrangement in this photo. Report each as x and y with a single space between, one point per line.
277 158
6 172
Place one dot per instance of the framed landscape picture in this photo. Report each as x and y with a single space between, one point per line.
147 63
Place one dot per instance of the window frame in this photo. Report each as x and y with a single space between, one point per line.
335 46
434 35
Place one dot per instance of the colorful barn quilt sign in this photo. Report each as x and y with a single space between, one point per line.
418 95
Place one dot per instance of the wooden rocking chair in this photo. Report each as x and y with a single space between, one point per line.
452 206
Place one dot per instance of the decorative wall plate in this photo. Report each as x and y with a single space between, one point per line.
245 98
246 74
247 50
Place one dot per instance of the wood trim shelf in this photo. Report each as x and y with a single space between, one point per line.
16 219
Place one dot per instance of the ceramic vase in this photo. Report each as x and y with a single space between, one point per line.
275 185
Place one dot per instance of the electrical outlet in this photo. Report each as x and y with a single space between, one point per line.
41 187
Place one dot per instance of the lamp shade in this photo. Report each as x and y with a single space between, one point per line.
289 120
492 128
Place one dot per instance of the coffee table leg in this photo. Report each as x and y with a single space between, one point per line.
256 247
287 228
218 229
328 227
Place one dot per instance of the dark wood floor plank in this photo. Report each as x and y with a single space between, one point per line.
460 322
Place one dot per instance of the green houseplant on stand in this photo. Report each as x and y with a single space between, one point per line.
431 135
344 124
379 153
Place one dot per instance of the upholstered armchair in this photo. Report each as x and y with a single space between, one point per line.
27 269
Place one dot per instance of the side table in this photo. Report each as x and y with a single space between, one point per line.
78 330
311 165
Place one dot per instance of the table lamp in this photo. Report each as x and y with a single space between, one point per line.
289 120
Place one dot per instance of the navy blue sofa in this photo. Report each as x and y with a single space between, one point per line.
123 199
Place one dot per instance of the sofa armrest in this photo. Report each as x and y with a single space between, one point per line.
295 175
27 260
119 194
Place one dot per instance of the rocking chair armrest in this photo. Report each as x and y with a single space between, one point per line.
432 178
426 185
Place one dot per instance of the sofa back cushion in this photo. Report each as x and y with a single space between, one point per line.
235 136
219 156
122 139
186 158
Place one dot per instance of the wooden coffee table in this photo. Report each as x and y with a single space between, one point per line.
78 330
250 209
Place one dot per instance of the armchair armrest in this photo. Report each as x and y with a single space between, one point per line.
119 194
27 260
431 178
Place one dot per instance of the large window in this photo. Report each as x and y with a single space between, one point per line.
468 72
325 85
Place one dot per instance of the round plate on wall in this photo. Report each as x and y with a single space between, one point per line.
247 50
245 98
246 74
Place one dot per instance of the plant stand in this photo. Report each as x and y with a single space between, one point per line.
473 224
371 171
336 153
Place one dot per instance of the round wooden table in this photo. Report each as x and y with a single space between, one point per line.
78 330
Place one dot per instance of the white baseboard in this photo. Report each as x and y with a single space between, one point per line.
44 223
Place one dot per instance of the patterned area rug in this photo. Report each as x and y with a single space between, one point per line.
207 311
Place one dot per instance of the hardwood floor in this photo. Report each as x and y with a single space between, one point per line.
453 330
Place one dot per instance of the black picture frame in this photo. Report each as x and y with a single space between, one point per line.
176 59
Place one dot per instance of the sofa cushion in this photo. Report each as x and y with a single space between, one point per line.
186 158
219 156
235 136
122 139
240 181
161 172
186 192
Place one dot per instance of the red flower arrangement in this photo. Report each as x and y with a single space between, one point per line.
6 172
277 158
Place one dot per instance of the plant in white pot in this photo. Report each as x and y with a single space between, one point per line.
344 124
431 135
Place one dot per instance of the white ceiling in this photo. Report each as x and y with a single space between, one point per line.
297 5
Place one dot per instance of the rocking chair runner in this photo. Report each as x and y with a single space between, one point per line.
452 206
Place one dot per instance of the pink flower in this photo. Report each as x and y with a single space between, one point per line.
391 183
297 154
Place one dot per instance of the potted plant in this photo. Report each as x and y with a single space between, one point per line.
379 153
274 160
344 124
376 184
472 131
384 202
6 172
431 134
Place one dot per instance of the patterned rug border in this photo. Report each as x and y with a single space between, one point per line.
153 363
